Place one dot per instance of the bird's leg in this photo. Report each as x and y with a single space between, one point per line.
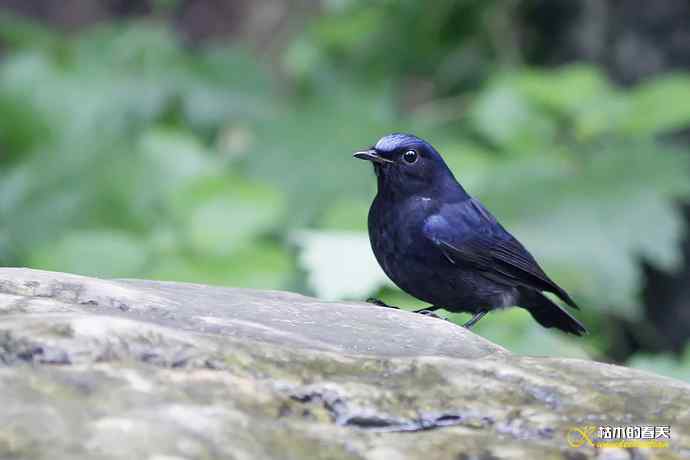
429 311
426 311
475 319
381 303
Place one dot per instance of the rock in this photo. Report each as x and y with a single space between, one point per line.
130 369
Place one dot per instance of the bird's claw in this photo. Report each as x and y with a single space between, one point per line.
381 303
431 314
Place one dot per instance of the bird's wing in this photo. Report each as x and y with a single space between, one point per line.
466 233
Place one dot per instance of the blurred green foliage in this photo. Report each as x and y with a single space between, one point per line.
665 364
125 154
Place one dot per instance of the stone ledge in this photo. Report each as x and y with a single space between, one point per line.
139 369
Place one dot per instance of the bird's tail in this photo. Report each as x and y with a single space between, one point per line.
547 313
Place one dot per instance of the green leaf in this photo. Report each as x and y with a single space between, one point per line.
658 106
579 94
315 168
346 214
258 264
677 367
223 213
178 158
23 128
567 90
19 32
339 265
507 119
589 219
105 253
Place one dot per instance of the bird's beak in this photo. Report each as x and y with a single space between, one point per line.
371 155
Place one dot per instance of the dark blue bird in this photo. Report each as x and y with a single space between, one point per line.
443 247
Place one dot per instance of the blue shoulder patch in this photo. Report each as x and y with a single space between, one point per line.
435 227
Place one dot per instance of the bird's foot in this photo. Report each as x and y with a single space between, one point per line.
430 314
381 303
475 319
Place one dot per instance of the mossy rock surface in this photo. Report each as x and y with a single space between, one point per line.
128 369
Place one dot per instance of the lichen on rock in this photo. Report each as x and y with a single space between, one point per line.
127 369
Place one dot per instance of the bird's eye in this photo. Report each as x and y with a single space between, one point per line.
410 156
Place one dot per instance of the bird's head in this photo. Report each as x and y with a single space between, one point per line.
406 165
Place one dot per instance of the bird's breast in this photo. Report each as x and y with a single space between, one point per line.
397 240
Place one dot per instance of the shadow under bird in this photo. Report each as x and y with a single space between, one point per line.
442 246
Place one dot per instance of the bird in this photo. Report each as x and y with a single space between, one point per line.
442 246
